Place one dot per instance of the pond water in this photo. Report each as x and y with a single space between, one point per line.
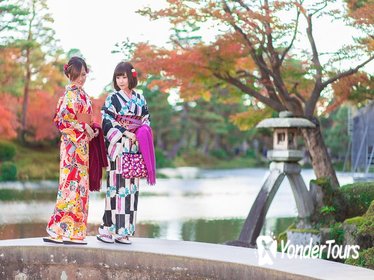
200 205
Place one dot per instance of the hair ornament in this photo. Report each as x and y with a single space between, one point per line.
134 73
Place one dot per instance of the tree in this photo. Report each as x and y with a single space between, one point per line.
38 45
257 53
40 125
357 89
163 116
362 13
335 131
11 74
32 67
12 15
199 124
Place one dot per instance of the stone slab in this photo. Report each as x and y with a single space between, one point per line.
157 259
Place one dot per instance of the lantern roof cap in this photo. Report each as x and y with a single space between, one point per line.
286 120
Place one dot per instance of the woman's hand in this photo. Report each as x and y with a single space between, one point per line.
130 135
96 133
90 133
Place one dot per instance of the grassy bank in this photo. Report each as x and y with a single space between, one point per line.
37 163
28 195
196 159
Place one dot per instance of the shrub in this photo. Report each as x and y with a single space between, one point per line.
334 204
7 151
192 157
358 197
8 171
251 154
337 233
219 153
365 259
366 228
161 159
363 232
349 201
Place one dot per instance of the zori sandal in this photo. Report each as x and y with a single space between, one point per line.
123 240
75 242
106 238
53 240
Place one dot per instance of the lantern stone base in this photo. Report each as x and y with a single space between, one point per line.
256 217
285 155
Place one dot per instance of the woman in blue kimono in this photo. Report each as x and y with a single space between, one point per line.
121 199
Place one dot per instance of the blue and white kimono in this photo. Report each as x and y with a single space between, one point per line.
122 194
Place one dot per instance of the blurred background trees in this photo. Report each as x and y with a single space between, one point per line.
205 96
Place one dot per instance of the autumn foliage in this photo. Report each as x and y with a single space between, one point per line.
97 104
8 112
346 90
40 114
257 54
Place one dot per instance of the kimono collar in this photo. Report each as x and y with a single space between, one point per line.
73 87
125 95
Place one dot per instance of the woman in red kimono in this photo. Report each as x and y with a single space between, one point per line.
68 223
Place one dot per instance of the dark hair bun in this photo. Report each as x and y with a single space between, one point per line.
73 69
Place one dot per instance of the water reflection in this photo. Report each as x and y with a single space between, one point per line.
28 230
211 208
210 231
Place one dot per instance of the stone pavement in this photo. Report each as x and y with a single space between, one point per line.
157 259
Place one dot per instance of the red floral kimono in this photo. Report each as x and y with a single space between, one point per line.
69 219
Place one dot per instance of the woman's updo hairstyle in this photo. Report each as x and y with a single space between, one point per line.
73 69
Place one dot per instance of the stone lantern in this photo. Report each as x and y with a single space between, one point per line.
286 131
284 162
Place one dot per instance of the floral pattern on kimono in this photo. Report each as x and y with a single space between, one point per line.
69 219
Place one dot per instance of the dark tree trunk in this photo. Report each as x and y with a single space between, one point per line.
174 151
198 138
183 135
25 105
320 158
159 140
205 145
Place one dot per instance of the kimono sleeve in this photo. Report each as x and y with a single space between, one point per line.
113 131
146 119
66 117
